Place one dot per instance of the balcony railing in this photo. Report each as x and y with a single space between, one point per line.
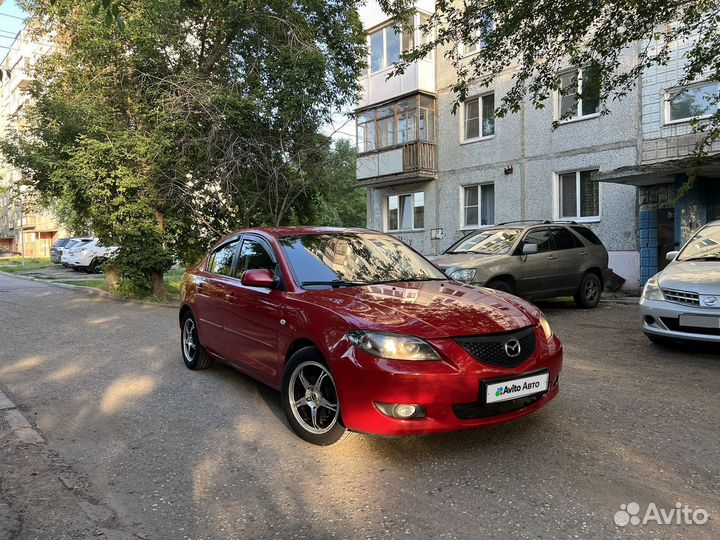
408 162
419 156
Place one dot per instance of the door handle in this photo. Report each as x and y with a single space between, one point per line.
229 297
551 257
583 252
200 287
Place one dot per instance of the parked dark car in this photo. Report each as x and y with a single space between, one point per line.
56 249
539 260
359 332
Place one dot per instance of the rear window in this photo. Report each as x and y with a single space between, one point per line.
61 243
588 235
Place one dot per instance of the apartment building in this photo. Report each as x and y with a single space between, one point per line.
433 176
22 228
671 205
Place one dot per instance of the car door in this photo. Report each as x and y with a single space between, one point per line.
571 259
212 289
253 315
538 271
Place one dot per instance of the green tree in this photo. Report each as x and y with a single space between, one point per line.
335 198
536 39
185 119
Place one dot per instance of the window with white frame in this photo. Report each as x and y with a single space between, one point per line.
478 205
479 117
579 94
406 212
691 102
478 41
579 195
386 44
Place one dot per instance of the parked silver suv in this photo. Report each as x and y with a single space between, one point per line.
542 260
683 301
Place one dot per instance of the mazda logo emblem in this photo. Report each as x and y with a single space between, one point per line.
512 347
710 301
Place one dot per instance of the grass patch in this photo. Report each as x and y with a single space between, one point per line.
172 282
14 264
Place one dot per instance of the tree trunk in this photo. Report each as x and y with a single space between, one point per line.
158 284
112 277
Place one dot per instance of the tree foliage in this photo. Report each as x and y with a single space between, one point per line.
538 39
189 119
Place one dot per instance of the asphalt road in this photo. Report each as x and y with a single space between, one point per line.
137 446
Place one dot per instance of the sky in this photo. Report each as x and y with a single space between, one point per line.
11 22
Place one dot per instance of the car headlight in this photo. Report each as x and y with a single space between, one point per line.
545 325
651 290
393 346
464 274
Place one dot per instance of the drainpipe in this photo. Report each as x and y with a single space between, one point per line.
22 232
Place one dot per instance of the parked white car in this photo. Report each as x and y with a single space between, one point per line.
70 246
90 256
683 301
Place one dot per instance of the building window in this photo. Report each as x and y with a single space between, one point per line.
478 42
406 212
696 101
579 95
478 205
405 121
386 45
579 195
479 117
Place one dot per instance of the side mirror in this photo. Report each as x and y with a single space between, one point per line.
529 249
260 277
671 255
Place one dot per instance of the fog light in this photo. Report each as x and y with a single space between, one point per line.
649 319
402 411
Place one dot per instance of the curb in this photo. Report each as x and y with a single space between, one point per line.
19 425
628 300
93 291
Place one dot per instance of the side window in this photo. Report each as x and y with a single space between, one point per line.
221 260
564 239
253 255
541 237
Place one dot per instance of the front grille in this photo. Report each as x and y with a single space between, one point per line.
468 411
673 323
682 297
490 348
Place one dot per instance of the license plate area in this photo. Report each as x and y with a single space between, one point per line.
699 321
514 387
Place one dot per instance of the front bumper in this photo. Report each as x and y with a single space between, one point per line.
661 318
449 390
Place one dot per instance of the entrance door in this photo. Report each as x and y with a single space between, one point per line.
665 235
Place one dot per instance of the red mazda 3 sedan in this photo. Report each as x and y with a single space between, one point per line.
359 332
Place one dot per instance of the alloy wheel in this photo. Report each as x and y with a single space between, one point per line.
592 290
188 339
313 397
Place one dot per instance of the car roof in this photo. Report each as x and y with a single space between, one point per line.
298 230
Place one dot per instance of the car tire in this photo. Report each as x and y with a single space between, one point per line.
588 294
194 354
312 412
501 285
95 266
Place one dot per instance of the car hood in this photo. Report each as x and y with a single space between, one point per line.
454 261
429 309
696 276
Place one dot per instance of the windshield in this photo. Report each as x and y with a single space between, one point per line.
487 242
330 260
705 245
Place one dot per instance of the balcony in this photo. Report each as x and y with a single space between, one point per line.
410 162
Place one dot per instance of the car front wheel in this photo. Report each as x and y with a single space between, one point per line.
588 294
310 398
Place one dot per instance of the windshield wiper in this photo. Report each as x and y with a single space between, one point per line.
406 280
334 283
